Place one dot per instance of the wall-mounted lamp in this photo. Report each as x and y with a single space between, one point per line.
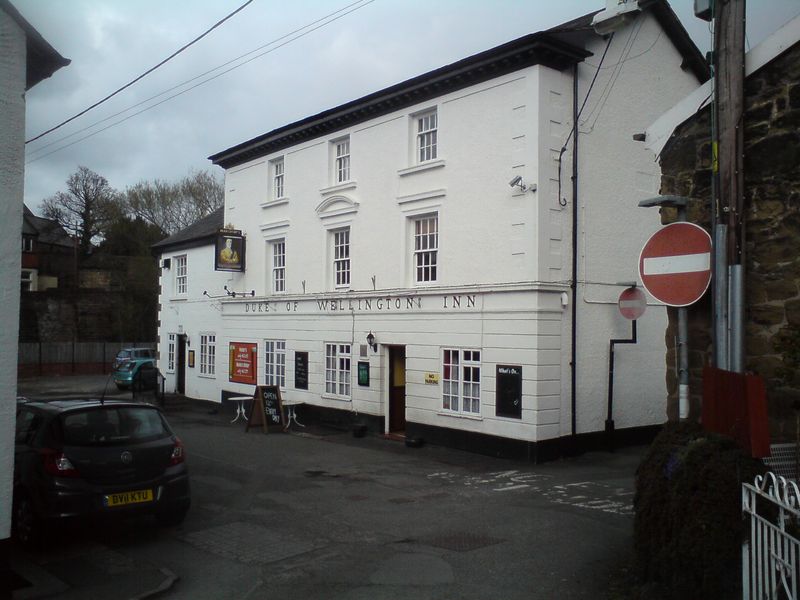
517 181
371 342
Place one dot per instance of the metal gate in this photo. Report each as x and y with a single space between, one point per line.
770 552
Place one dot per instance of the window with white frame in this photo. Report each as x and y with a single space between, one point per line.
426 249
278 248
27 244
341 163
461 381
427 134
341 258
337 369
181 274
275 362
171 353
277 178
208 354
27 281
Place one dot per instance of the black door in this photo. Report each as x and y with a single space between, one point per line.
180 386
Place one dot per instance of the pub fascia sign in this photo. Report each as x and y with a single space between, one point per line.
380 304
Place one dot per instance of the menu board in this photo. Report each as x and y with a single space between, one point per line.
301 370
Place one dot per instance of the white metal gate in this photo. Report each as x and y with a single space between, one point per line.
770 553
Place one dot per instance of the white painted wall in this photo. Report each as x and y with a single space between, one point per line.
641 78
12 152
507 250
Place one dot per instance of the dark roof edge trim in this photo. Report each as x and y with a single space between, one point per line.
693 59
533 49
164 247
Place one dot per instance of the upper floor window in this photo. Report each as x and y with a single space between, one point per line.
181 274
427 128
426 249
208 354
27 244
277 178
341 165
28 281
278 266
341 258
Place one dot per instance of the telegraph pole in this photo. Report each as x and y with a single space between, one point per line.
728 167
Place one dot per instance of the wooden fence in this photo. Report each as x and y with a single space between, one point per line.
70 358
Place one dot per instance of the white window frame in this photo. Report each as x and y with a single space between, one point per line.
275 363
426 129
278 178
340 154
181 274
28 280
340 254
338 367
425 261
208 354
171 338
278 270
27 244
461 381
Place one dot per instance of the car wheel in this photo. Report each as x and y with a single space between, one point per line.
26 523
170 518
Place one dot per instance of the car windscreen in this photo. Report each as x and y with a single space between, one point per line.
123 354
113 425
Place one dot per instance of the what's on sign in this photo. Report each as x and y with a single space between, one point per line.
675 264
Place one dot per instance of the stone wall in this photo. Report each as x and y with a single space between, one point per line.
772 196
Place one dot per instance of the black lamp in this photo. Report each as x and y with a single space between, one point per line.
371 342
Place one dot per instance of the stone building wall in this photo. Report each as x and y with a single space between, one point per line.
772 197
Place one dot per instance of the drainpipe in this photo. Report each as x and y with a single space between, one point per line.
574 278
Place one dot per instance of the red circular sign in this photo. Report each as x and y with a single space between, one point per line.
675 264
632 303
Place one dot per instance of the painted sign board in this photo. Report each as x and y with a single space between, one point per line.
267 409
301 370
229 251
243 362
508 391
363 372
432 378
675 264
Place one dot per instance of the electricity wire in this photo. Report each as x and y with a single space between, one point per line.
303 34
143 75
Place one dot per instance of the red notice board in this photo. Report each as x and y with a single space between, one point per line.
243 362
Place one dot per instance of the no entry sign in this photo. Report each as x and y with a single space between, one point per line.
675 264
632 303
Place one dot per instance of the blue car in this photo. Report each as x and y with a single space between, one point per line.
125 373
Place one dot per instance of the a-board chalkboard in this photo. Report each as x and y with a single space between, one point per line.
301 370
267 409
509 391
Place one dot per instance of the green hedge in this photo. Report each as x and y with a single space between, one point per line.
688 526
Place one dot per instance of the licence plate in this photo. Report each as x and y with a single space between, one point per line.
124 498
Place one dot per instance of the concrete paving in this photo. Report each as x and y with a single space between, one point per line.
319 514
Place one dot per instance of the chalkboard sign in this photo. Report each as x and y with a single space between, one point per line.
301 370
509 391
267 409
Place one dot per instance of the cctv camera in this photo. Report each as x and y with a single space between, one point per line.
515 181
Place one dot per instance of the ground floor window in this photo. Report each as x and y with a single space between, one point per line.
208 353
171 353
337 369
461 381
275 362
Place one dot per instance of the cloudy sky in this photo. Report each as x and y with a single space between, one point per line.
347 49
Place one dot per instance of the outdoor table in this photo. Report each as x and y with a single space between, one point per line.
240 412
290 413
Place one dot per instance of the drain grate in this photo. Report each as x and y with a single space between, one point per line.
461 541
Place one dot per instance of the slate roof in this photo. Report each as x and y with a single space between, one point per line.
46 231
199 233
559 47
43 60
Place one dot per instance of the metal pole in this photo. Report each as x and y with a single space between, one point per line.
736 316
683 349
721 297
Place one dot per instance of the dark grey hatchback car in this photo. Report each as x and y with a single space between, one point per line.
88 458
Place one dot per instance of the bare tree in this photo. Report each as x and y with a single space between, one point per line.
174 206
86 208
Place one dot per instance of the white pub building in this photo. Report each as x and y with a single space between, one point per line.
441 259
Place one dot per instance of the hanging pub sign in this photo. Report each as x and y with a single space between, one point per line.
230 250
242 361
